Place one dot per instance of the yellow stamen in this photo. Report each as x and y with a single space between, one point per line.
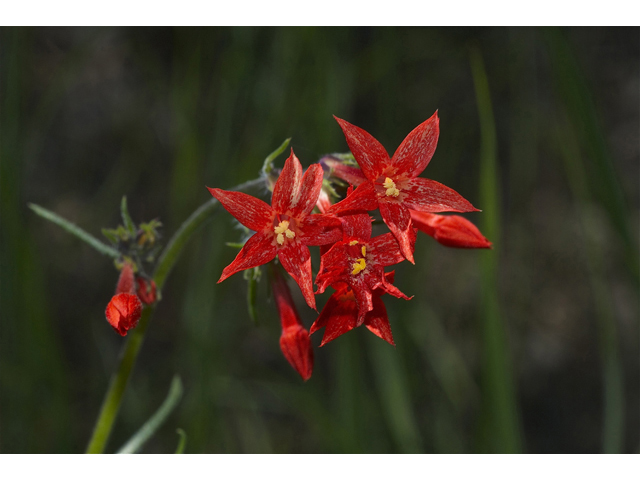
390 185
358 266
353 242
283 229
364 251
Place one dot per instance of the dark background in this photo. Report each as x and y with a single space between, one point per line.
530 347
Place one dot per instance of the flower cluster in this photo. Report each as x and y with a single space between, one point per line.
352 261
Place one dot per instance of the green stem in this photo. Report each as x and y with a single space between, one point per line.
131 348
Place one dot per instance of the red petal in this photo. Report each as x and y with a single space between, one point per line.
123 312
353 175
364 298
338 315
356 226
363 198
296 260
398 219
386 250
258 250
430 196
285 191
309 191
377 321
450 230
323 203
296 347
249 211
320 230
415 151
370 155
125 281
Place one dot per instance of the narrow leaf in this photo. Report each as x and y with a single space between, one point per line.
111 235
182 442
151 426
126 218
75 230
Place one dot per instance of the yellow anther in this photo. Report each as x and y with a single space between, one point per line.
390 185
353 242
282 227
280 239
289 234
358 266
364 251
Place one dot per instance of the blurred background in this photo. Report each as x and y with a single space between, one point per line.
531 347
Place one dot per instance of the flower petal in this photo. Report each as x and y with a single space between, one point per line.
353 175
415 151
377 321
282 295
320 230
296 260
285 191
398 219
338 316
368 152
123 312
252 212
363 198
356 226
425 195
386 250
309 191
450 230
258 250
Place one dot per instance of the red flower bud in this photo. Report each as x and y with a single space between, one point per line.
296 347
294 341
146 290
123 312
125 282
450 230
323 203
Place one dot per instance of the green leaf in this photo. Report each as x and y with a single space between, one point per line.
267 166
151 426
182 442
126 218
111 234
75 230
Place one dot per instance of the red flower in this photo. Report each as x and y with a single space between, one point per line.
359 260
393 185
294 341
340 314
124 310
450 230
285 228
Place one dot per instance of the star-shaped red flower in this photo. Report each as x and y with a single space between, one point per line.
285 228
340 314
359 260
393 185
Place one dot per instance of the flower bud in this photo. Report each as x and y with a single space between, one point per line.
296 347
123 312
126 281
146 290
450 230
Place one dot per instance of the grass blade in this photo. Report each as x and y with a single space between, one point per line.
75 230
151 426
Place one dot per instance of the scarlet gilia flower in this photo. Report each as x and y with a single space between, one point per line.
124 310
392 184
359 260
450 230
340 314
294 341
285 228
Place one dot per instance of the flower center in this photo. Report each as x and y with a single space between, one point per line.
390 185
282 230
360 264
